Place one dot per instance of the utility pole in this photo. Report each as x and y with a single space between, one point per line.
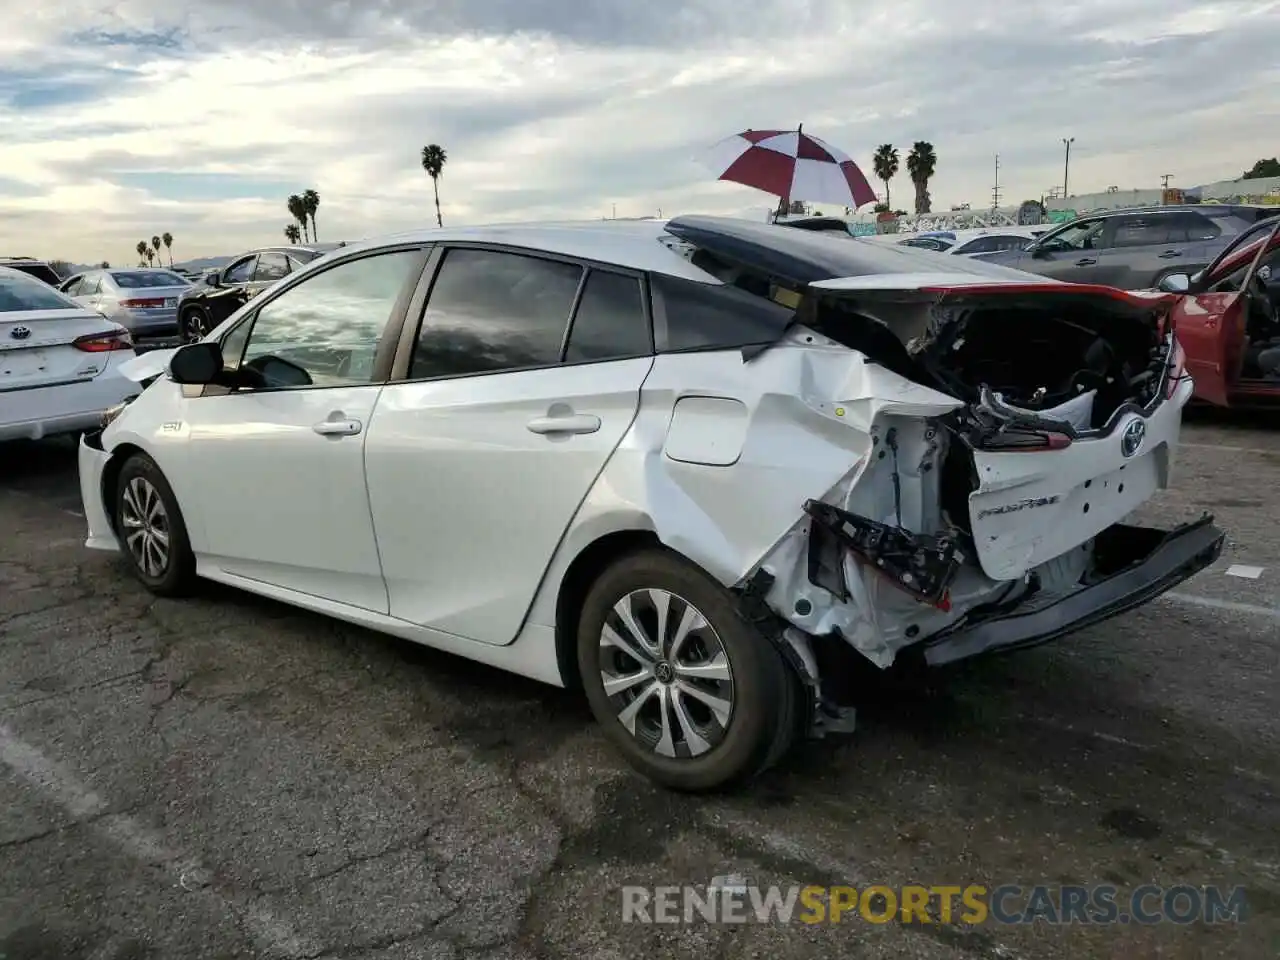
995 190
1066 164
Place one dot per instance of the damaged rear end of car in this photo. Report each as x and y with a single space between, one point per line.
1008 427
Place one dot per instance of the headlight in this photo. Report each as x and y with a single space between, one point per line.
111 413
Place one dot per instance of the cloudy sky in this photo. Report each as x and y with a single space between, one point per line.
122 120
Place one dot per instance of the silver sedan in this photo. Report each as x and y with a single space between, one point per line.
143 300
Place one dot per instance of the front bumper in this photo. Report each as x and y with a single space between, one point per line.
1178 554
93 463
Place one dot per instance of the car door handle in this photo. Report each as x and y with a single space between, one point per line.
1087 261
573 423
1170 253
338 428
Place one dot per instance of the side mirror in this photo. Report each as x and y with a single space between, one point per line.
1175 283
196 363
213 279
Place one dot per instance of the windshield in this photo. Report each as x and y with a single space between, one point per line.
19 291
136 279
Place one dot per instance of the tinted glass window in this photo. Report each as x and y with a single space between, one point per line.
494 311
20 291
610 321
1148 231
1081 235
992 244
271 267
702 316
240 272
40 271
1195 226
326 329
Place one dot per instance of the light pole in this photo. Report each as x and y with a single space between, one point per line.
1066 164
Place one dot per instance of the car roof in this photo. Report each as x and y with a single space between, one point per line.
1220 209
666 247
635 244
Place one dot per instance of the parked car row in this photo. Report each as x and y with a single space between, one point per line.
744 455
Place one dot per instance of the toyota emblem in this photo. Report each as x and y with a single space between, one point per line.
20 333
1131 441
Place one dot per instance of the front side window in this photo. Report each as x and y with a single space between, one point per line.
325 331
271 267
240 272
72 286
90 286
490 311
610 322
1085 235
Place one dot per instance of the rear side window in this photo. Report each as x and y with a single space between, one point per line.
491 311
610 321
706 316
21 291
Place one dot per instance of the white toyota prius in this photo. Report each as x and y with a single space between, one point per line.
59 361
683 465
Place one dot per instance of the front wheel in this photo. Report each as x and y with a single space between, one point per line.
194 325
151 531
694 696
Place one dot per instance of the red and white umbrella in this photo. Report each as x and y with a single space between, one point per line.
792 165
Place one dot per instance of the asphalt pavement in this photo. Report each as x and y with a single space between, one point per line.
229 777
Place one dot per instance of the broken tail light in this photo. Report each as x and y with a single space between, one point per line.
103 342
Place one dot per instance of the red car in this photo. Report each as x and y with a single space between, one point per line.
1228 321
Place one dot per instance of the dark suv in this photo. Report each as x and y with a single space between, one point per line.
1134 249
224 291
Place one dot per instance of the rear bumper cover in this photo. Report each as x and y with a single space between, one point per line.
1183 552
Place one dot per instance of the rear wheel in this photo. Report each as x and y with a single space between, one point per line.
694 696
194 324
151 531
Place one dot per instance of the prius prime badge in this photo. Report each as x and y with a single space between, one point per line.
20 333
1131 440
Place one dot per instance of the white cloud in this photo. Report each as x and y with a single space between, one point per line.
548 113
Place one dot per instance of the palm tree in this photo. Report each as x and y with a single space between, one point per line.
151 256
155 247
167 237
310 201
885 163
433 161
292 233
922 163
142 252
104 265
298 211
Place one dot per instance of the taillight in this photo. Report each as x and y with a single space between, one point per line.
149 302
103 342
1177 370
1025 441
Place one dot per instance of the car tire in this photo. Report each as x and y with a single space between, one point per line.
151 530
194 324
706 709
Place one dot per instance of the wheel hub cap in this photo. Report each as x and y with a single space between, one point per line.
666 673
145 524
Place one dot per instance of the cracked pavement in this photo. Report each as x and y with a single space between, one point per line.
228 777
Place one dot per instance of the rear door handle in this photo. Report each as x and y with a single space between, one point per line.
573 423
1170 253
1087 261
338 427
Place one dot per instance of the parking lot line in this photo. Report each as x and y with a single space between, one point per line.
276 936
1230 606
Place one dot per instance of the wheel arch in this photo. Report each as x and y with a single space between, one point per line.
120 455
576 583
